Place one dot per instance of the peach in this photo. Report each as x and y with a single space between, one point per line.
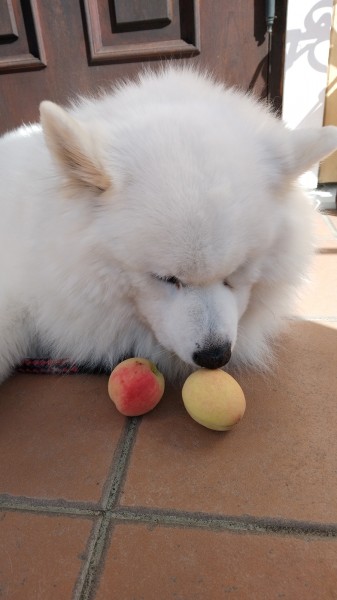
214 399
136 386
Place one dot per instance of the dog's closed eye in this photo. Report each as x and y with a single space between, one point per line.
171 279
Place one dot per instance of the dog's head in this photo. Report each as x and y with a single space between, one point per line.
191 207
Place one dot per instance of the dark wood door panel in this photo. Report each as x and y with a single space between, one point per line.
73 47
21 43
146 29
8 28
141 12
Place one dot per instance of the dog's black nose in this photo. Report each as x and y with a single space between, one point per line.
213 357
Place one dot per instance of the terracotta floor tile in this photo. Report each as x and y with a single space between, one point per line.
318 298
323 229
332 218
183 564
280 461
40 556
57 436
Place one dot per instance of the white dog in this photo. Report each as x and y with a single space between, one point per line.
162 220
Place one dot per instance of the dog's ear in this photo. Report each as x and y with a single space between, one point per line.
309 146
74 147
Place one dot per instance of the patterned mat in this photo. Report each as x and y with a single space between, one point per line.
56 366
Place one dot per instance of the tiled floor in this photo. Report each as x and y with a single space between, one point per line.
97 506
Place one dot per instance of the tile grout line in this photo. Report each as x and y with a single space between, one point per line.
124 451
248 523
86 580
88 552
330 319
173 518
63 507
308 318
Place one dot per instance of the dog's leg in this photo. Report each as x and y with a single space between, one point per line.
15 336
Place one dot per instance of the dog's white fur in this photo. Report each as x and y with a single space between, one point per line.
169 176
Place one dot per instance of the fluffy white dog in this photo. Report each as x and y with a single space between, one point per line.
161 220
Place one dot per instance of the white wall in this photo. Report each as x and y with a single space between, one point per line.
306 64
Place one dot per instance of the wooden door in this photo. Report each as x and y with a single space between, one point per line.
57 49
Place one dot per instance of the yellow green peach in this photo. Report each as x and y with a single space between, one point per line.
214 399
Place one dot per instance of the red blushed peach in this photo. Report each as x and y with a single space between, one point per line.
214 399
136 386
